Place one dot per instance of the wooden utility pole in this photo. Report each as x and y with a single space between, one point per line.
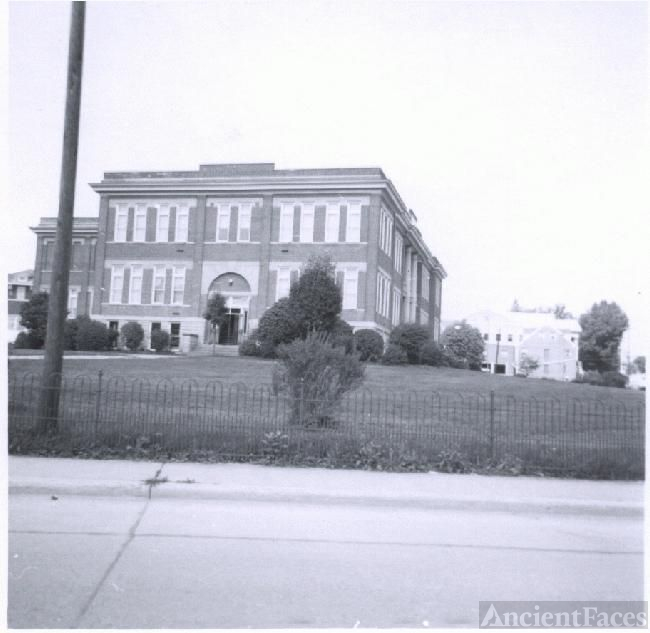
48 405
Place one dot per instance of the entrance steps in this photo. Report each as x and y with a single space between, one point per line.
219 350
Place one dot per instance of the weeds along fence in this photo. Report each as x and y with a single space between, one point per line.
408 430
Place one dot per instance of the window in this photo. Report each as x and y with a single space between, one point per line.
398 255
73 297
48 254
223 223
509 338
546 370
140 223
162 224
117 282
383 294
396 306
174 335
486 337
426 279
182 224
353 226
244 223
286 222
158 286
12 292
121 221
284 283
135 285
307 222
178 285
386 232
547 354
498 337
77 254
332 218
93 248
350 289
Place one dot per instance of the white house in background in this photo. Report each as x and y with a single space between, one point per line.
20 291
509 335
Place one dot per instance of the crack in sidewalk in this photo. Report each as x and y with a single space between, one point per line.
130 536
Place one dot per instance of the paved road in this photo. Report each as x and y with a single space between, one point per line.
85 561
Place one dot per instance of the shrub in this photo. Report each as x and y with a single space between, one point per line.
70 329
394 355
313 305
315 374
369 345
251 345
614 379
604 379
132 335
27 340
342 335
453 461
433 354
91 335
33 317
411 338
160 340
277 326
463 345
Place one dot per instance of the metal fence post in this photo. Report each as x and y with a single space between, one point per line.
98 399
492 409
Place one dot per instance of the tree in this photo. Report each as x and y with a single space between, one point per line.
527 364
33 317
602 331
560 312
313 305
639 363
463 345
315 298
215 314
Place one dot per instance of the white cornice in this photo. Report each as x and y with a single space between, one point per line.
271 184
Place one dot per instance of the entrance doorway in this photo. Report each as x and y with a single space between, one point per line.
237 293
229 331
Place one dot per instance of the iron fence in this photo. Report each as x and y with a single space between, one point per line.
586 437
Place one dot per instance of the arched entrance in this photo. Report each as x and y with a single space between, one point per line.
237 293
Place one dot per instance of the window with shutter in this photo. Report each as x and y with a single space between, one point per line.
353 223
162 223
182 223
307 222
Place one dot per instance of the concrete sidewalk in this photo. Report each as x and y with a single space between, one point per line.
61 476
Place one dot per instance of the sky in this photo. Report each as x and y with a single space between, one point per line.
514 130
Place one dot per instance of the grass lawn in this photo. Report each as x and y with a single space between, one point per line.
380 379
226 404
